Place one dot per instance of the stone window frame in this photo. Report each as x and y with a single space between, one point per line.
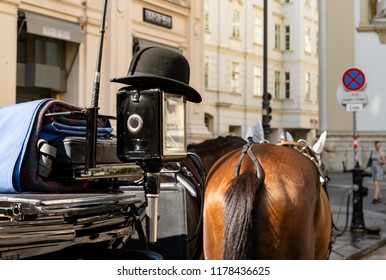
369 22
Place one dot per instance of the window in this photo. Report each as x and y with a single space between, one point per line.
317 42
287 37
206 71
235 130
317 88
287 85
378 9
308 85
374 13
206 16
258 31
235 79
277 36
307 3
277 84
307 40
42 50
46 60
236 24
209 122
257 81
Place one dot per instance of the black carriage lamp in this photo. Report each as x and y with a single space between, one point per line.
151 117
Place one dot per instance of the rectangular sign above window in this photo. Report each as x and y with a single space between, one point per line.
157 18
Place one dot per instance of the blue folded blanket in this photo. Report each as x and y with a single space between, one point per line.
54 130
21 126
15 129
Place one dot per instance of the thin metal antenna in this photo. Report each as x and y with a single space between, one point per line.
92 112
97 77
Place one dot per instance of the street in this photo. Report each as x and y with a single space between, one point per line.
379 254
342 181
338 190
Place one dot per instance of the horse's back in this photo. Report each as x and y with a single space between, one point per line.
286 206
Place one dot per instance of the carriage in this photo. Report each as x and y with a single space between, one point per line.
71 190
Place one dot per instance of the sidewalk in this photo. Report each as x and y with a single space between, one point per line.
355 245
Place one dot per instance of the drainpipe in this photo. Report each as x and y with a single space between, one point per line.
245 70
218 66
323 120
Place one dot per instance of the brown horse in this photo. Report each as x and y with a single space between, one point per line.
275 209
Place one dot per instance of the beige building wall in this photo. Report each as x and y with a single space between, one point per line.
340 48
8 29
124 22
337 55
351 37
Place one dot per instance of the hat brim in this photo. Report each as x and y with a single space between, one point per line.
169 84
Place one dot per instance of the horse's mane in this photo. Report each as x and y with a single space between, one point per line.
215 142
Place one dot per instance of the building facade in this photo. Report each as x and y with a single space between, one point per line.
352 34
234 66
51 48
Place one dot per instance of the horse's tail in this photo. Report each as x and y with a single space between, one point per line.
240 204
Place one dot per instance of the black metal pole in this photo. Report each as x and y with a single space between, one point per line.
95 93
92 112
265 114
358 221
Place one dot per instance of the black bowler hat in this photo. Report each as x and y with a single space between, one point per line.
160 67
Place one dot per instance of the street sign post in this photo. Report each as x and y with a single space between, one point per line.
351 92
352 95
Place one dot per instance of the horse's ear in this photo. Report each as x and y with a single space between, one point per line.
289 137
319 145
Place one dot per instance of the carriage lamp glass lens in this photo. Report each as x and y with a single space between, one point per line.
174 141
134 123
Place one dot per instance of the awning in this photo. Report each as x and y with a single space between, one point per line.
47 26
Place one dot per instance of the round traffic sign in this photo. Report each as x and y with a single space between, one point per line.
353 79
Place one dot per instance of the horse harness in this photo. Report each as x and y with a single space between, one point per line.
191 175
300 146
305 150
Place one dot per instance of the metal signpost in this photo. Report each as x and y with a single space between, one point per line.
352 95
266 99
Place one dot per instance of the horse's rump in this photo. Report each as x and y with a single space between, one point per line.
284 211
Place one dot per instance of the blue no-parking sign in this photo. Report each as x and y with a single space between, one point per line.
351 92
353 79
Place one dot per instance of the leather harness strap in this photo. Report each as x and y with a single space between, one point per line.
247 149
243 152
